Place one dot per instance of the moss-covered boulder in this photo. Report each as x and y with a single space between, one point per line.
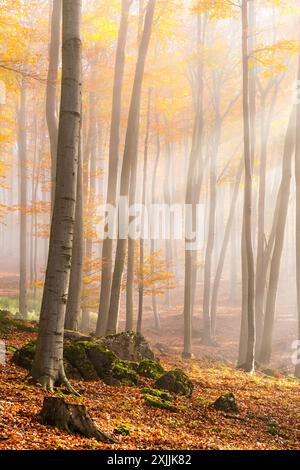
150 369
70 335
101 358
158 399
122 430
75 354
157 393
175 381
123 374
128 346
24 357
227 403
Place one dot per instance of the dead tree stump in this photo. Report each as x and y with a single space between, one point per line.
70 417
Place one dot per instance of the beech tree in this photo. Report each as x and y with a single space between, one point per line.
247 249
51 91
48 368
129 162
111 198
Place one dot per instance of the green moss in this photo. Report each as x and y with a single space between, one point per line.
158 402
24 357
123 430
123 374
175 381
75 354
157 393
150 369
101 358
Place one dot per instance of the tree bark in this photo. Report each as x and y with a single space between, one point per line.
144 198
71 417
75 286
297 180
193 189
220 265
280 217
248 283
129 160
106 274
51 91
22 150
48 367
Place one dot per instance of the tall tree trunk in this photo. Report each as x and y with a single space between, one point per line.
48 368
207 319
280 217
90 188
248 282
144 199
129 159
22 144
220 265
297 179
75 285
193 189
152 244
107 249
51 91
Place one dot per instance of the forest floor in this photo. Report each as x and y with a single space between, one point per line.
269 407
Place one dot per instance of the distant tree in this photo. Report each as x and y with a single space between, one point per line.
129 163
111 198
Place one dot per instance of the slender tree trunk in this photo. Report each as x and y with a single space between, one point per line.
280 217
152 244
168 202
107 249
144 198
220 265
75 286
247 245
90 188
233 264
129 159
193 189
207 319
22 144
297 179
51 91
48 367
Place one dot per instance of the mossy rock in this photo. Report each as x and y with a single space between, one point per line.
123 374
101 358
175 381
24 357
123 430
150 369
75 354
227 403
129 346
71 372
157 393
159 399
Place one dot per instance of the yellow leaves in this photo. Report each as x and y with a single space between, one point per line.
274 58
38 284
216 9
154 275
